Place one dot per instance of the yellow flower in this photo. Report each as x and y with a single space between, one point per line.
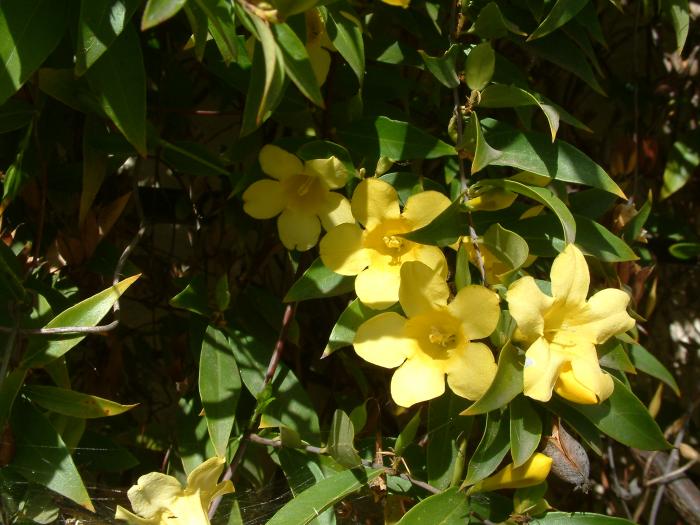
376 253
159 499
318 45
398 3
562 331
300 194
533 472
435 340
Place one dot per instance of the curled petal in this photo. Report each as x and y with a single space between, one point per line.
378 286
477 308
586 370
423 207
278 163
205 478
533 472
335 210
570 277
375 201
605 315
422 289
133 519
418 379
568 387
527 305
264 199
470 370
298 230
342 251
381 340
541 370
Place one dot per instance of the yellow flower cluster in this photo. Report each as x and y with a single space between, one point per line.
436 338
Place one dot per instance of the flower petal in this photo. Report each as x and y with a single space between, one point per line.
570 388
477 307
422 289
541 370
570 277
188 510
470 370
533 472
342 251
378 286
152 493
278 163
418 379
429 255
335 210
586 369
205 477
320 61
264 199
527 305
375 201
298 230
133 519
331 171
605 315
380 340
423 207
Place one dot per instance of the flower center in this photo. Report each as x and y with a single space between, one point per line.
305 186
442 338
393 242
304 192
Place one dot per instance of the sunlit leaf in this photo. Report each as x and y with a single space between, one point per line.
72 403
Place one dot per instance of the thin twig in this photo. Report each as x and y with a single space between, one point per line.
672 458
616 481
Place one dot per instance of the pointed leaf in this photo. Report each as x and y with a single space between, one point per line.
577 518
445 428
53 467
29 31
484 154
72 403
343 333
99 24
340 441
119 81
219 387
560 14
645 361
297 63
491 450
679 13
447 508
221 26
319 281
308 505
481 63
525 430
443 68
89 312
506 385
345 32
158 11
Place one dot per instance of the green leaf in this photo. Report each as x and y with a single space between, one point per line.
119 81
562 51
682 162
624 418
343 332
492 24
75 93
684 250
543 196
200 28
72 403
42 349
443 68
525 430
9 389
447 508
463 276
509 247
613 355
15 114
535 153
560 14
481 63
193 158
645 361
219 387
345 32
297 63
312 502
302 470
193 297
633 229
679 13
506 385
340 441
384 137
445 428
29 31
577 518
491 450
474 139
158 11
318 281
10 274
221 26
99 24
502 96
53 467
407 435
